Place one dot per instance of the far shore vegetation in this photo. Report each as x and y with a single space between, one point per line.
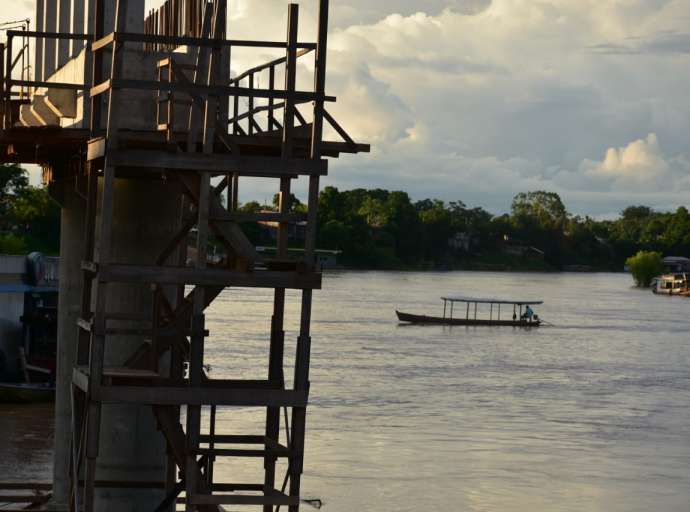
381 229
645 266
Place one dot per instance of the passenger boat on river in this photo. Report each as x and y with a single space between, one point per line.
522 314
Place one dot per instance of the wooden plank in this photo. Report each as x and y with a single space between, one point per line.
99 89
240 452
261 217
234 439
230 487
268 65
197 41
102 42
49 35
198 396
257 166
218 90
209 277
49 85
275 498
95 149
341 131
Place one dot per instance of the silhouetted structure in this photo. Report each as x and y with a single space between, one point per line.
131 151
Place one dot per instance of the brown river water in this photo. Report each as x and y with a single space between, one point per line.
591 413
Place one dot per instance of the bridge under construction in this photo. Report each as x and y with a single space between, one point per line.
145 137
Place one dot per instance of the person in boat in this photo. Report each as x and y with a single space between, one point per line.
529 314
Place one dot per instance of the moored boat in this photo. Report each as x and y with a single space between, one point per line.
672 284
522 314
28 327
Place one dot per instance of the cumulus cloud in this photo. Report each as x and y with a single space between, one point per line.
477 99
640 165
480 100
639 162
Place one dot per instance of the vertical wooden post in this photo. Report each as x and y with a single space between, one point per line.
170 135
235 191
97 349
250 119
317 127
235 113
271 101
97 67
8 84
5 104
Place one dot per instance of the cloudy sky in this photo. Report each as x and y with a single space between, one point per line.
477 100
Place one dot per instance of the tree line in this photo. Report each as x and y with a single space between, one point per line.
386 229
382 229
29 218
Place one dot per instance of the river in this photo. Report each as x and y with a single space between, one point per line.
589 413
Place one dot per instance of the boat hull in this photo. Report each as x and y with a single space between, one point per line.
423 319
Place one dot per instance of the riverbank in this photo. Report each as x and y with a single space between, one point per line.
487 262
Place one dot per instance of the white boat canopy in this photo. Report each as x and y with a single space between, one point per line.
475 300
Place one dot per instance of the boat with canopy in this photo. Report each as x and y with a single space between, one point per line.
521 315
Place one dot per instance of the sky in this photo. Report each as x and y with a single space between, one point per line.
477 100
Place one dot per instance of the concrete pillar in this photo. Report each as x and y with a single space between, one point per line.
71 254
49 47
78 14
38 55
64 25
131 447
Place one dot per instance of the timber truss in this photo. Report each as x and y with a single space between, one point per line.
280 139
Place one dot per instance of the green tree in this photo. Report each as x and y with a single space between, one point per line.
29 218
294 204
545 207
13 179
644 266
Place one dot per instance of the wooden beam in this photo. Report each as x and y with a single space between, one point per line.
49 35
263 67
275 498
49 85
219 90
259 166
209 277
262 217
197 41
199 396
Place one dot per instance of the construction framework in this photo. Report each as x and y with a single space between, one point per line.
206 153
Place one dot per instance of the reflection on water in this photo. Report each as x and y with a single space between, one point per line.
592 413
26 443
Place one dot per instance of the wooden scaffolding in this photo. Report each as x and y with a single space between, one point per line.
269 137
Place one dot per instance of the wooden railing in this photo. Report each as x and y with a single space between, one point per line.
11 97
